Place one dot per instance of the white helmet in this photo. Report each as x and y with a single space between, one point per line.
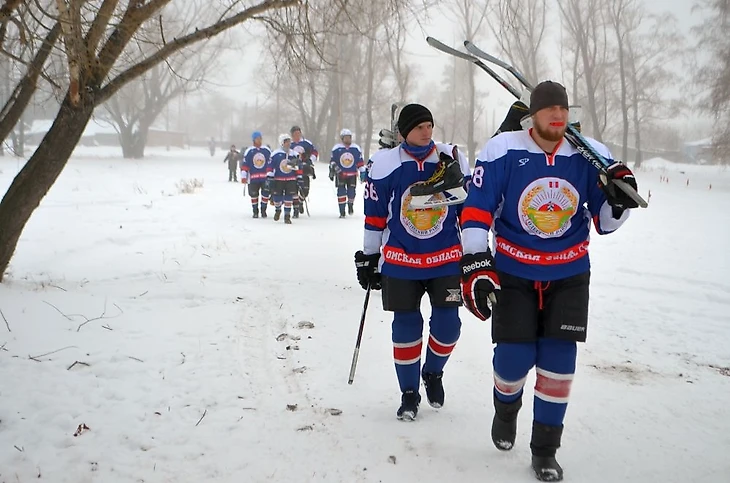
284 137
345 132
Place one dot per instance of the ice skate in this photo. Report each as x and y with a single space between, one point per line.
445 187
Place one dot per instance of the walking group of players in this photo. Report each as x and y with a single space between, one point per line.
282 177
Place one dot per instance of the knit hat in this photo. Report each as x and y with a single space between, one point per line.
548 94
411 116
256 134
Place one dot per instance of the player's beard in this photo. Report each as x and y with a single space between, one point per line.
552 134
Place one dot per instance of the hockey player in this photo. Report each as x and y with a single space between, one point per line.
420 250
537 193
282 176
308 155
254 168
346 164
232 160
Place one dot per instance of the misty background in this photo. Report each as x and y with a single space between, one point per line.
634 66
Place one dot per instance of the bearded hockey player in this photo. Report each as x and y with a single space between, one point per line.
420 250
538 194
346 164
254 170
282 176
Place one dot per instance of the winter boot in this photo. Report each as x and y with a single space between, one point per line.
263 214
301 207
296 212
504 424
408 409
255 211
445 187
287 219
434 388
350 209
545 443
277 215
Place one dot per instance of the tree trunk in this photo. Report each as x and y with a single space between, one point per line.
20 98
40 172
624 95
369 99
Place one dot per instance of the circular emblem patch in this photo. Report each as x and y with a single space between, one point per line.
347 160
422 222
546 207
259 160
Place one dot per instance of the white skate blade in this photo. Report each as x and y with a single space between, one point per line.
449 197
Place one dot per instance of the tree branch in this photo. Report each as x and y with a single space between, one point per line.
180 43
104 15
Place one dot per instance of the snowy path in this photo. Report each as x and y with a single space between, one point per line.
197 293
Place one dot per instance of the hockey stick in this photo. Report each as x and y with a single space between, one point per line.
572 134
356 353
306 207
463 55
244 189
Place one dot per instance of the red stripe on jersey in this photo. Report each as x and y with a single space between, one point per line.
553 388
535 257
476 214
397 256
407 354
376 221
443 350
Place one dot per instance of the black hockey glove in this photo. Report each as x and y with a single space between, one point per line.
614 195
367 270
517 111
479 283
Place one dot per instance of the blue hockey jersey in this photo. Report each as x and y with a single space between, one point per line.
254 163
305 145
416 244
284 166
347 160
539 207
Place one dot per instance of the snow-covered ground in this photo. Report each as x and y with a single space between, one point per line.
198 344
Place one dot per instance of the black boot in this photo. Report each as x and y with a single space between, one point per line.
263 211
545 443
277 215
287 219
350 209
504 424
434 388
255 211
408 409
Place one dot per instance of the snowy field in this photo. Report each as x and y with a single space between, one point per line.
191 343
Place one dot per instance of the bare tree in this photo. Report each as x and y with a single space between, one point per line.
520 32
135 108
713 38
625 17
586 43
94 38
472 14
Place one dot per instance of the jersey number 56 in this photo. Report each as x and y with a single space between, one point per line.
370 192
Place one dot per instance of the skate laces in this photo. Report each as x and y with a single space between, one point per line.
438 174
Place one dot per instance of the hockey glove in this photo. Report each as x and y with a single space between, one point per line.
367 270
479 283
388 139
615 195
511 122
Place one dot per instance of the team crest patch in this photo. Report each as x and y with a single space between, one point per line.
422 222
347 160
285 167
454 295
298 148
259 160
546 207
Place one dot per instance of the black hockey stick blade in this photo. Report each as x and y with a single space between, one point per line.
477 52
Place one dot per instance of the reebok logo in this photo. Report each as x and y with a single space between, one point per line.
476 265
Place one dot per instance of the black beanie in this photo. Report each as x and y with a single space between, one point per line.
411 116
547 94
